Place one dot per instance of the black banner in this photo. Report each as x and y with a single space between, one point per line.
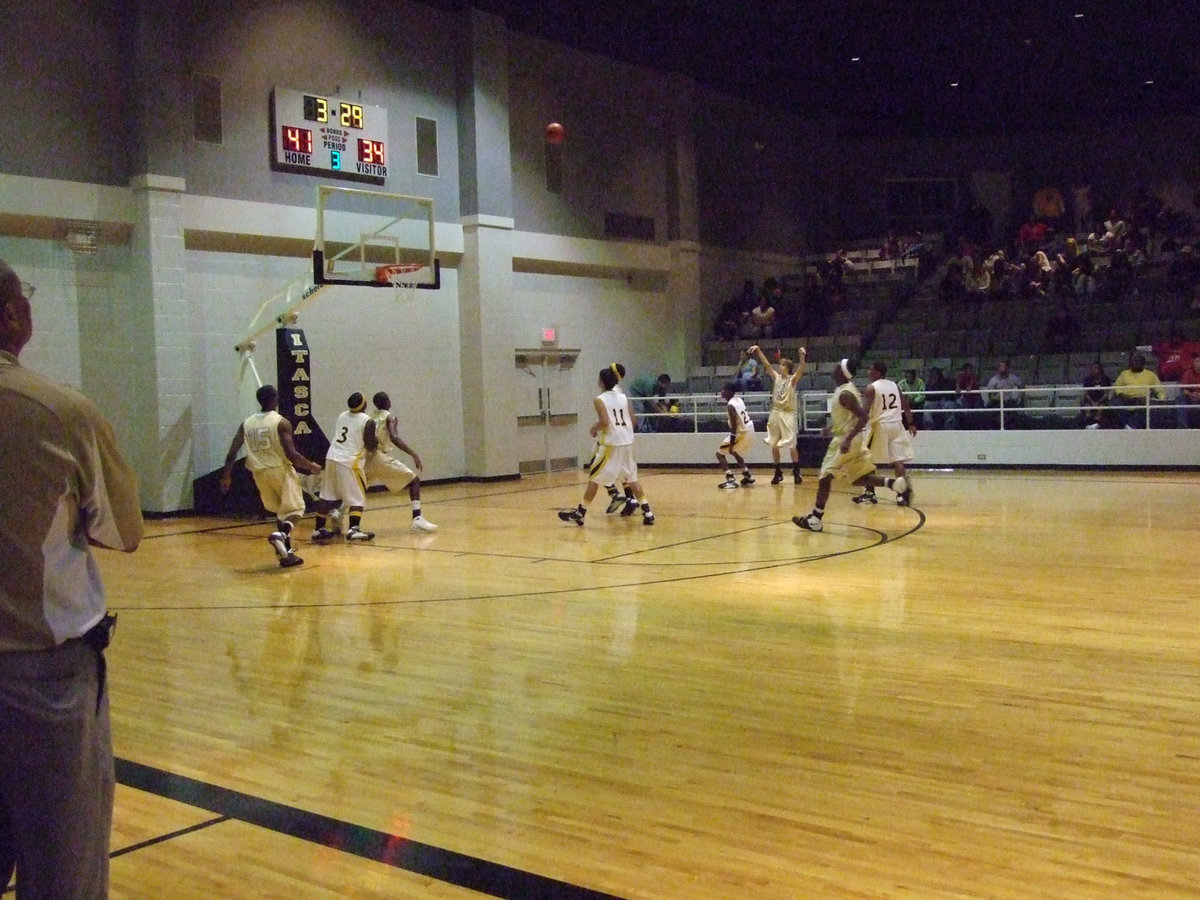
293 366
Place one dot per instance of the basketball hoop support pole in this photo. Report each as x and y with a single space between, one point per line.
291 304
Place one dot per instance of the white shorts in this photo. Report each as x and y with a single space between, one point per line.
781 428
385 469
613 464
279 490
851 465
344 483
890 443
741 446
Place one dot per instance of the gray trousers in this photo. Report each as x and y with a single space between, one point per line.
56 773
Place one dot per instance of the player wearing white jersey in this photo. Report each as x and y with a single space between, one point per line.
272 458
345 479
847 456
383 468
890 431
614 427
741 433
782 421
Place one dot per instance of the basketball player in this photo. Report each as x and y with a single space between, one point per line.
272 458
847 456
625 502
781 422
353 437
890 430
383 468
741 433
615 425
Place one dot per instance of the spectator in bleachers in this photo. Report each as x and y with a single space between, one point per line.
729 319
1004 387
1175 356
1005 277
978 281
1083 278
664 407
1060 331
1031 236
912 386
967 396
1036 277
920 250
938 401
1096 391
1189 396
760 320
1131 389
1064 264
891 247
838 266
749 373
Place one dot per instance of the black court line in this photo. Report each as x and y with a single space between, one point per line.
170 835
481 875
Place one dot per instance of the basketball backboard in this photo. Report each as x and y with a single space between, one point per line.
364 237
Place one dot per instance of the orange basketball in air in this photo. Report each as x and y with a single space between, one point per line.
555 133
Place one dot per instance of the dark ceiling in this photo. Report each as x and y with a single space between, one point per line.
916 67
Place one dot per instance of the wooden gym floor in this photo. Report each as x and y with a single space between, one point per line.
995 693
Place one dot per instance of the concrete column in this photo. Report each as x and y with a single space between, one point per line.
485 271
164 416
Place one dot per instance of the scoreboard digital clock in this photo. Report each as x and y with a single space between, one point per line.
316 135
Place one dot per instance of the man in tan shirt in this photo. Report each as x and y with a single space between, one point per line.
66 488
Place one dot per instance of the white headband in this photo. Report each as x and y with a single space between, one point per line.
845 367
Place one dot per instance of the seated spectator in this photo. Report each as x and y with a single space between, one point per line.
891 247
1083 278
760 321
1189 396
1175 356
912 385
938 401
837 267
1004 388
749 373
1030 236
733 313
978 281
967 396
664 409
1096 384
1131 390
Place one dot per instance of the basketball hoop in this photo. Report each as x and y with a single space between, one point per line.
399 276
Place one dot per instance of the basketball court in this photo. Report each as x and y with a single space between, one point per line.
989 694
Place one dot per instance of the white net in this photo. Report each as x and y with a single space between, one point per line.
403 277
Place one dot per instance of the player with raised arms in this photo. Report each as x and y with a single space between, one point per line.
782 421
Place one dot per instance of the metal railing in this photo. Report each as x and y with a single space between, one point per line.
1048 407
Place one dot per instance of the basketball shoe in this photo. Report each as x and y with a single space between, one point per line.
809 522
571 515
420 523
357 534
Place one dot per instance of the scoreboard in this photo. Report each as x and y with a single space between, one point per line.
328 136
